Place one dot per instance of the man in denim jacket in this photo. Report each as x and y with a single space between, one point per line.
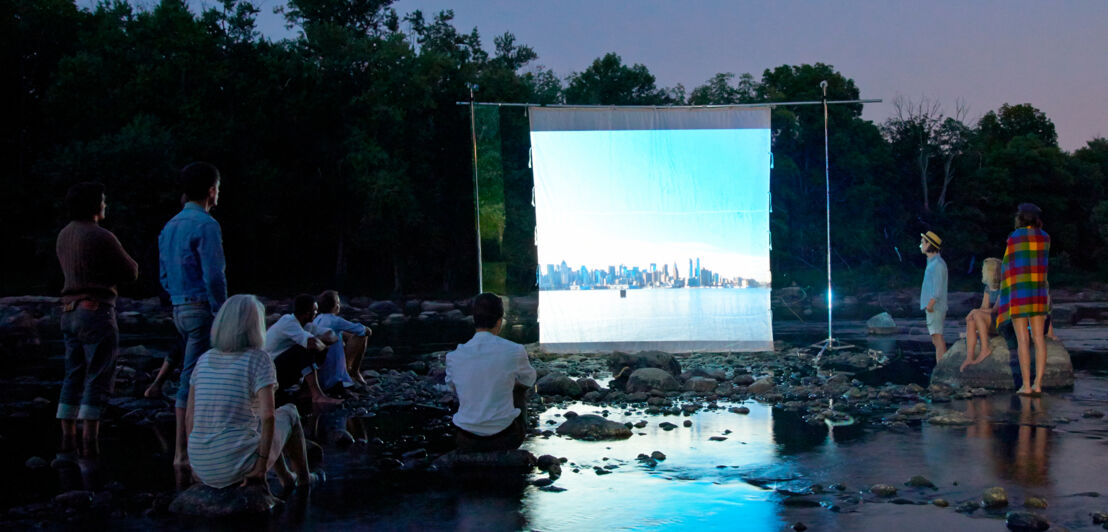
190 255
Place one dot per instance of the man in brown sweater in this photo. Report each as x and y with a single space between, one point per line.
94 263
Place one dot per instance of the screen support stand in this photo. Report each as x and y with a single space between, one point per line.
829 343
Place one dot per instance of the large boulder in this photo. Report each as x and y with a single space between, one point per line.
558 384
623 364
201 500
592 427
648 379
1000 371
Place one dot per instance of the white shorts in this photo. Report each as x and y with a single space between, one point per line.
283 420
935 320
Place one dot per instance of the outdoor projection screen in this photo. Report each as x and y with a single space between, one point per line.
652 227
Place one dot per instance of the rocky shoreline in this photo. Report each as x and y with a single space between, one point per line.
662 388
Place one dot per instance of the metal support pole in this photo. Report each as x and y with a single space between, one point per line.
476 192
827 190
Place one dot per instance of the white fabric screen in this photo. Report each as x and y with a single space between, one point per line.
652 228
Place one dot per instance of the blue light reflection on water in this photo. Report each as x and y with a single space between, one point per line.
688 490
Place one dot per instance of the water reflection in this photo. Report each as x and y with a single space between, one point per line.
701 483
1021 449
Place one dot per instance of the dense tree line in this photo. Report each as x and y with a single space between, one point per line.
347 162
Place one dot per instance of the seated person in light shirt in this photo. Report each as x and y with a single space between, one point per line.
490 376
343 367
297 347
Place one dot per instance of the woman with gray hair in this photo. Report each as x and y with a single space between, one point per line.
234 433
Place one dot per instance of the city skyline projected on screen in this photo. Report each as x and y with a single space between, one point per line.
652 238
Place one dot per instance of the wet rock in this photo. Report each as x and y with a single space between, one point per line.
588 385
620 362
592 397
718 438
385 308
882 490
920 482
658 455
941 503
496 462
743 380
1025 522
666 425
799 527
739 410
205 501
1100 518
761 386
540 482
78 499
687 423
35 462
1037 503
1092 413
995 372
917 409
592 427
558 384
701 384
950 418
799 502
648 379
881 324
994 497
967 507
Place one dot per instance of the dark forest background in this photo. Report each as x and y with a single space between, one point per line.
347 164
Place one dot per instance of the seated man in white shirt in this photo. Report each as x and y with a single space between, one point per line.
297 347
490 376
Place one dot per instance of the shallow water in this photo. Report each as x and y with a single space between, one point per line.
760 478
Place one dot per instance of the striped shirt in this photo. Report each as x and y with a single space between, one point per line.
226 426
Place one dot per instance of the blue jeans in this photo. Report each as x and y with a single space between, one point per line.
194 322
91 342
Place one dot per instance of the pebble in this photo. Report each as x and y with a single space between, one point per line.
78 499
1037 503
967 507
718 438
919 481
994 497
941 503
666 425
658 455
687 423
1025 521
36 462
882 490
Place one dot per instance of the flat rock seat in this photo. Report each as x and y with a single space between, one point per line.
996 372
493 462
201 500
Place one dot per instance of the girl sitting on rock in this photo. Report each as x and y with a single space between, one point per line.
234 433
979 322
